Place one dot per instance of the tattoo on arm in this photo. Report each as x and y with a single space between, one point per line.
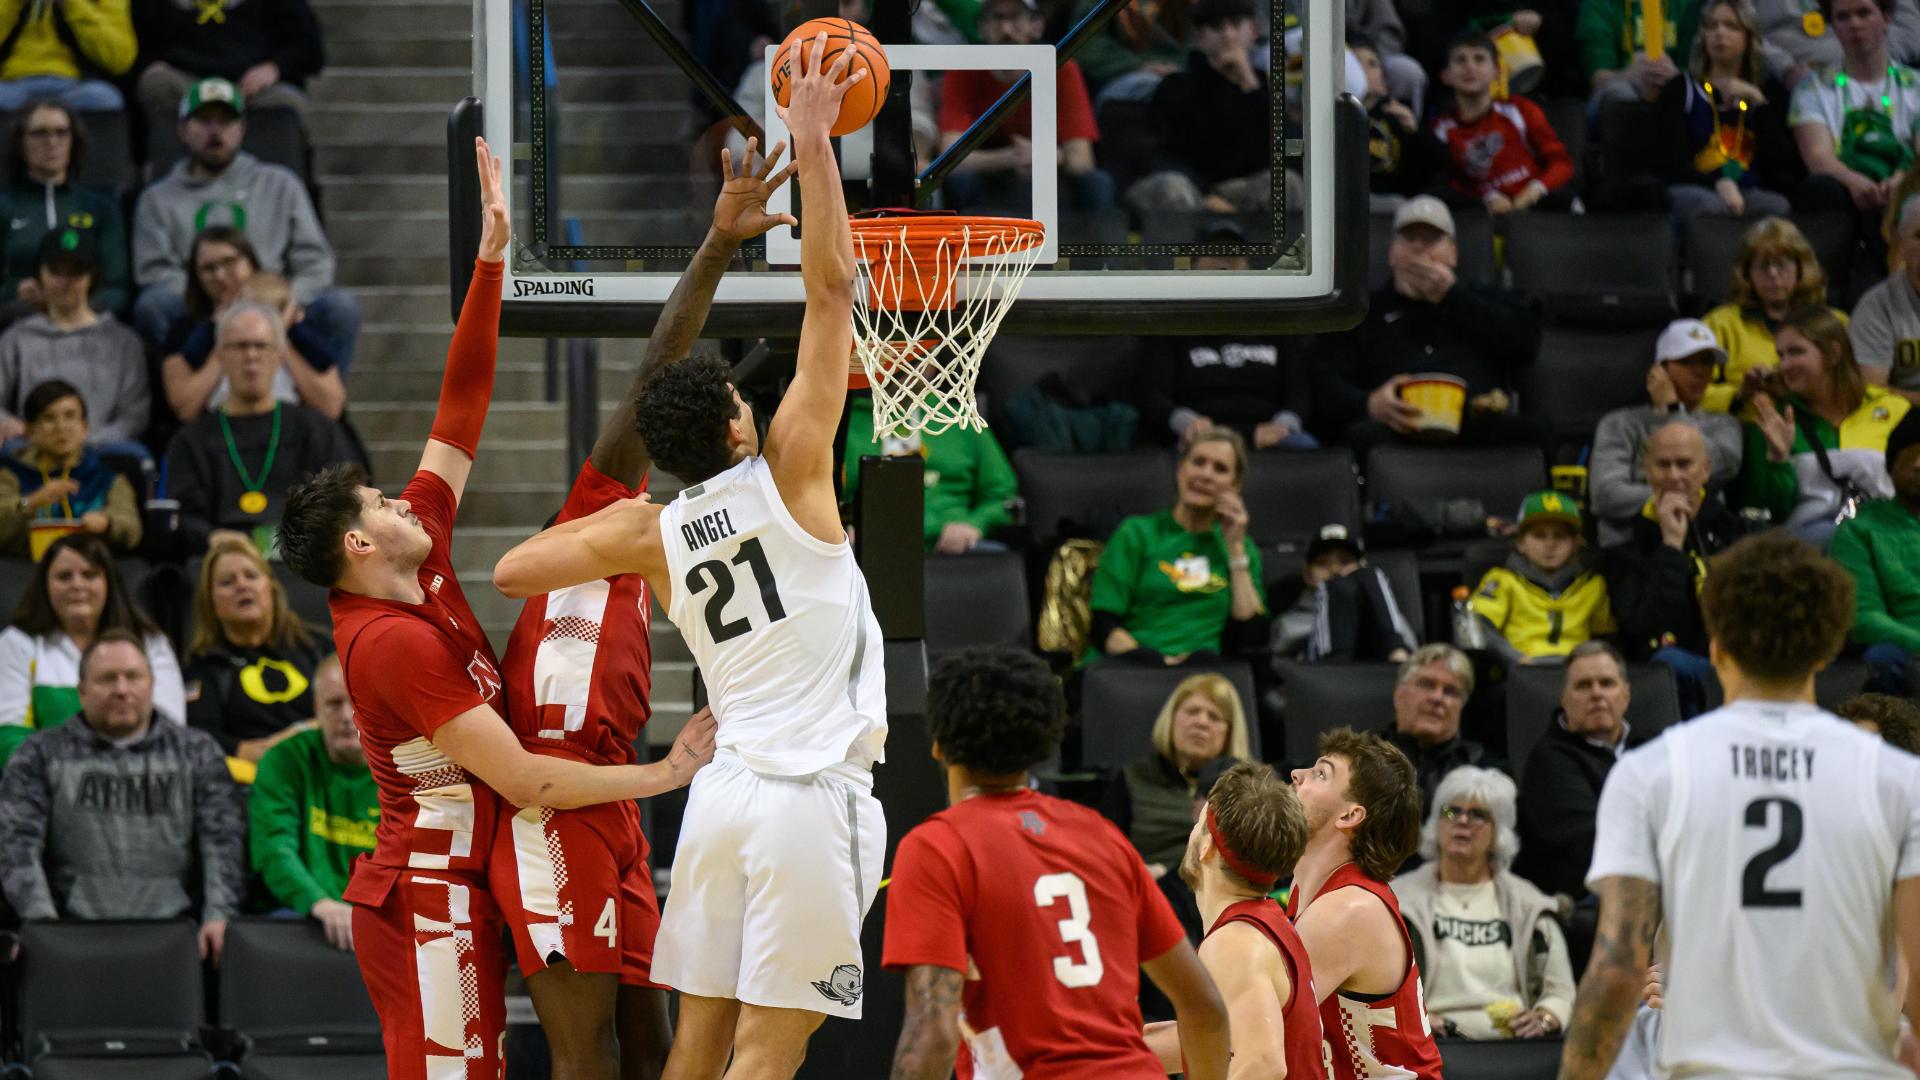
1622 949
931 1033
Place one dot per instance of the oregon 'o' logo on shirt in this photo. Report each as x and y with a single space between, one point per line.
285 684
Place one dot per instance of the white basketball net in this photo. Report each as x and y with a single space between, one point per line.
920 359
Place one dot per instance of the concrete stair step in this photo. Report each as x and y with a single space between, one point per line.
364 20
372 46
512 381
413 231
501 461
421 304
508 420
381 85
384 269
424 347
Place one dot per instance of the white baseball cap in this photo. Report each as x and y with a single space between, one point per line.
1685 337
1424 210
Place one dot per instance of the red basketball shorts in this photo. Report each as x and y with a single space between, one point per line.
433 959
574 885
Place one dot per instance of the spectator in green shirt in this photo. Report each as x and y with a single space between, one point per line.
969 482
314 810
1170 584
1880 547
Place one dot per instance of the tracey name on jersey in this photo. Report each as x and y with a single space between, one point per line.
1772 762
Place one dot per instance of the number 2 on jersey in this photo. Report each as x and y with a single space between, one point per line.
718 576
1074 929
1753 882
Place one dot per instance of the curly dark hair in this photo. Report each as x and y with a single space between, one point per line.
1381 779
1897 719
319 512
996 711
682 415
1779 608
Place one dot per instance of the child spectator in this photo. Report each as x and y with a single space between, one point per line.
1504 154
969 483
1545 599
1346 609
314 809
45 151
73 342
1402 159
57 479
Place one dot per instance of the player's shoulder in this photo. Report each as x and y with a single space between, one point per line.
1353 908
388 638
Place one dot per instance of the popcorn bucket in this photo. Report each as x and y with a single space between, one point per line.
1440 398
42 534
1520 63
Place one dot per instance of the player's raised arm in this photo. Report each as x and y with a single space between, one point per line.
466 389
479 742
930 1036
613 540
1205 1038
739 215
799 445
1610 991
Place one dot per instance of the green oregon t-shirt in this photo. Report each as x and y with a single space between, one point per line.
1171 588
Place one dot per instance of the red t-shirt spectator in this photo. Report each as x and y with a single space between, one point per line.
966 96
1507 148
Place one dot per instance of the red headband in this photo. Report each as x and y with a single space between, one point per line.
1254 876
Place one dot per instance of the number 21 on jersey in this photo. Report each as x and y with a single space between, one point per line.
718 576
1075 929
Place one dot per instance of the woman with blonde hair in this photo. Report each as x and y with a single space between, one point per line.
1724 119
1202 721
1818 439
1776 272
250 666
1493 960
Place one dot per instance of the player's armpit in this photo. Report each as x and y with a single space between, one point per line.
617 539
1610 992
1205 1041
1252 978
481 743
931 1034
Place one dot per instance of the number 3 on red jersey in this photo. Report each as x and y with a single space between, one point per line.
1074 929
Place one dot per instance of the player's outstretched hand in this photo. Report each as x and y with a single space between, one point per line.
494 222
814 103
693 748
740 214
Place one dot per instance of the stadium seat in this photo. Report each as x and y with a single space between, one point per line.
1568 117
1505 1059
1533 698
1321 697
1473 236
187 1065
1500 477
976 600
1290 494
109 164
1403 577
76 1015
1597 269
1120 700
1480 557
1070 495
1840 680
1100 369
15 576
308 601
330 1025
1582 375
1129 145
1713 243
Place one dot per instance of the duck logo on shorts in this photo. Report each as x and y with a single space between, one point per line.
843 986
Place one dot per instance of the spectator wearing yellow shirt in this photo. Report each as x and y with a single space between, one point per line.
1776 272
1545 599
66 51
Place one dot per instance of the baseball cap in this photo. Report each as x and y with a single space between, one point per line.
214 91
1335 538
1685 337
1424 210
1549 506
69 248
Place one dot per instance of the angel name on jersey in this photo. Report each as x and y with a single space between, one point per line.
1776 763
707 529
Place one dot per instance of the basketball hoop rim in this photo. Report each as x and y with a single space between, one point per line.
960 236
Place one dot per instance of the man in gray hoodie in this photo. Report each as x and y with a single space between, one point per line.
106 817
217 183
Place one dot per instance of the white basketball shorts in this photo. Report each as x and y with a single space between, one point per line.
771 879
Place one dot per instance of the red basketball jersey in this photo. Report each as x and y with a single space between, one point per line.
409 669
579 664
1049 911
1299 1013
1383 1037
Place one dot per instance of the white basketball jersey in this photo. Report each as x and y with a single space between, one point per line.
780 624
1776 832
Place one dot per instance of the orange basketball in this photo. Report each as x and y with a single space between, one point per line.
865 97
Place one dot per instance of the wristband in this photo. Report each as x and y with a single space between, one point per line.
1239 562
